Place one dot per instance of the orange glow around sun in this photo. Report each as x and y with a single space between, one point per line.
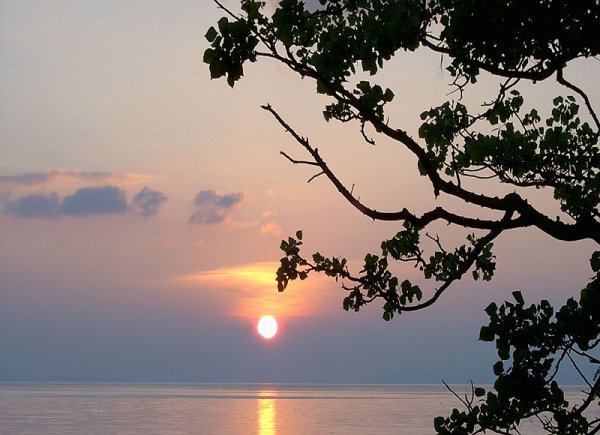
248 291
267 327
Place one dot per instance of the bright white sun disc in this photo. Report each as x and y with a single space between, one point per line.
267 327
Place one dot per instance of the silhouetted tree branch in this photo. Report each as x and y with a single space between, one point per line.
501 142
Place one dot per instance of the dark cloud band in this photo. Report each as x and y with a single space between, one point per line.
86 201
37 205
94 200
34 178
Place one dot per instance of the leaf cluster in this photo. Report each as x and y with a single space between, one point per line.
532 342
561 153
508 36
375 280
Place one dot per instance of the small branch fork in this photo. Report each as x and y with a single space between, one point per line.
226 10
468 400
464 268
561 79
297 162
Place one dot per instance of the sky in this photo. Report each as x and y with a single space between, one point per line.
142 206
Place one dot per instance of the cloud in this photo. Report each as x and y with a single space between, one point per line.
86 201
34 178
25 179
271 228
267 214
35 205
270 224
94 200
250 290
147 201
212 207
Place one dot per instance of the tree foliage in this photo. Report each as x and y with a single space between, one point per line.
338 43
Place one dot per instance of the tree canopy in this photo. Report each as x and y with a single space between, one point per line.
337 43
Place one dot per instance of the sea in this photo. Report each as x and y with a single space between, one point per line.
262 409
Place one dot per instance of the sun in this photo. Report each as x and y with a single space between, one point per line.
267 327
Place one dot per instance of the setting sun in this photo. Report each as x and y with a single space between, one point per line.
267 327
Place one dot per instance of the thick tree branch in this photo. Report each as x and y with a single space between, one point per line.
583 229
537 72
528 215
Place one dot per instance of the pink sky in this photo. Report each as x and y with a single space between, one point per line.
143 206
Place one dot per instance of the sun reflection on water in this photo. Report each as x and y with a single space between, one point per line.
266 413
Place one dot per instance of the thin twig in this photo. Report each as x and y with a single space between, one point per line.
561 79
297 162
315 176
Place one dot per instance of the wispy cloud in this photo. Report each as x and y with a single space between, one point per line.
270 224
250 290
39 178
212 207
271 228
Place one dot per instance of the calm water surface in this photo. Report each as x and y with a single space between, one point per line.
262 409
